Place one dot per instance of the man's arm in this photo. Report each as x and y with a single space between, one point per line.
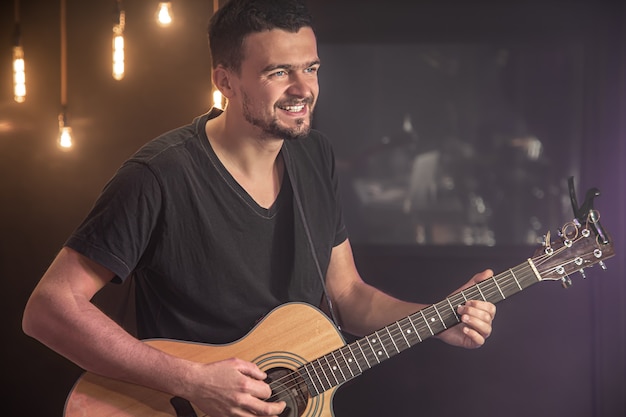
364 309
60 314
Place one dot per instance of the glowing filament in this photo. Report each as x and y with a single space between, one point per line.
118 55
65 141
19 75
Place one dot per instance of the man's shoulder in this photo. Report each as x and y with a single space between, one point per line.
177 143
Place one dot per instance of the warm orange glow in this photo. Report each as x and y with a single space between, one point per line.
19 75
164 13
65 138
65 141
118 55
118 45
218 100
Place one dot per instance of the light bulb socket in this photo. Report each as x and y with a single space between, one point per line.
17 34
63 118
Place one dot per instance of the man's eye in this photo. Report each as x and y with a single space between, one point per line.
279 73
311 70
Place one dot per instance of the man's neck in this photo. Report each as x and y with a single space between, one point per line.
255 163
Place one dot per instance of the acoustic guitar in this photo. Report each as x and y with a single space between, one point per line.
305 355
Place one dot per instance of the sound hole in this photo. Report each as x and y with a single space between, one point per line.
287 385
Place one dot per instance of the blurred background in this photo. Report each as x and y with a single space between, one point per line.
456 125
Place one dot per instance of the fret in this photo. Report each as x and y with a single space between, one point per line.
378 352
355 359
332 370
453 310
515 278
440 318
495 280
426 321
338 366
413 325
409 331
306 368
408 344
358 343
319 363
392 341
481 293
446 313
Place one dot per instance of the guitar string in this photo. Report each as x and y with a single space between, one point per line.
488 293
492 288
287 380
475 292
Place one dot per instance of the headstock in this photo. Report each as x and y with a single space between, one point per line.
583 243
577 248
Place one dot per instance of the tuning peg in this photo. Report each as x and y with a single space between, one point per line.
582 273
566 281
602 265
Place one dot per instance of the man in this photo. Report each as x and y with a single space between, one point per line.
219 222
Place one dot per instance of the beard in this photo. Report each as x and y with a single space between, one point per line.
270 125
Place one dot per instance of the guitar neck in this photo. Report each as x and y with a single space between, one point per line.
351 360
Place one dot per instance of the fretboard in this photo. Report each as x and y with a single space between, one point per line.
351 360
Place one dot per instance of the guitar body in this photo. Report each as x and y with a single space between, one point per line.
290 336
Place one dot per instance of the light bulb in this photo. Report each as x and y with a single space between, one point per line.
164 13
65 140
118 43
118 53
19 75
218 100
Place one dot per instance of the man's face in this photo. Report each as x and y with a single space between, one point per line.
277 86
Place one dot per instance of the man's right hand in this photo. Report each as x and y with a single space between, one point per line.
232 387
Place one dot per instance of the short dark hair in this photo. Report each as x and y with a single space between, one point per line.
235 20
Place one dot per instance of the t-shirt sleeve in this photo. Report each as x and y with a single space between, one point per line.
117 230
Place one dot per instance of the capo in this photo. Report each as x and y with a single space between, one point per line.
586 213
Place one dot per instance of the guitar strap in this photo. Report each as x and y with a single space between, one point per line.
296 197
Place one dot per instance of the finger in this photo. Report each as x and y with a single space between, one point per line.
262 408
477 324
254 383
250 369
483 309
476 339
481 276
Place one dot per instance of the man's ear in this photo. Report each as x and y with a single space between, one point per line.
222 79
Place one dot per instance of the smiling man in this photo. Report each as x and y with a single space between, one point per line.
219 222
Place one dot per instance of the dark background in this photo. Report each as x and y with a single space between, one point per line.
553 352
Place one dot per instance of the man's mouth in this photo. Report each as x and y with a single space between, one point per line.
294 108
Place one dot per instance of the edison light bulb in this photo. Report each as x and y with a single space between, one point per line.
118 54
65 141
118 45
164 13
19 75
218 100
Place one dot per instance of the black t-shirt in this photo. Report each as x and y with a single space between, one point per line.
207 260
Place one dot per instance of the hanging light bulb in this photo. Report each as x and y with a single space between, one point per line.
218 100
65 141
164 13
19 68
19 75
118 43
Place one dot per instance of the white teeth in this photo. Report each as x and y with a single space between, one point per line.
293 109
